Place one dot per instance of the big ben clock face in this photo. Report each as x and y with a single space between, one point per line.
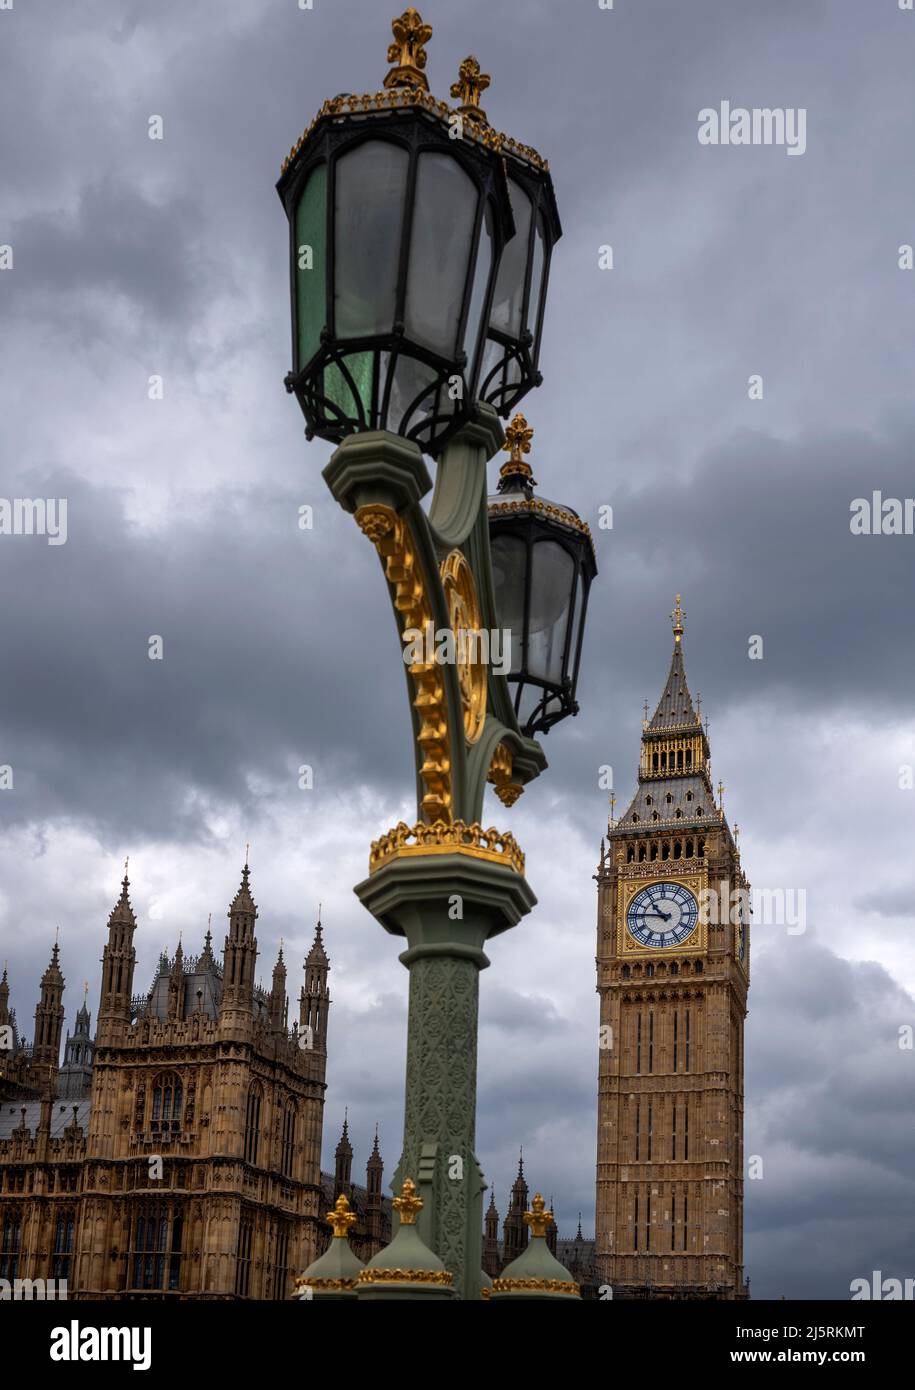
663 914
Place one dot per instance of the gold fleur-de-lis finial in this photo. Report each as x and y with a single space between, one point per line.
341 1218
518 438
470 86
408 52
407 1205
538 1218
677 617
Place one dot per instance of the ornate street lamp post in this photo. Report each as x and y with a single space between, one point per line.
420 241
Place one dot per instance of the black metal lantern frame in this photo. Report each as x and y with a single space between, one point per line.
521 523
347 379
512 356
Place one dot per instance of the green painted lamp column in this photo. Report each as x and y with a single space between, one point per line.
445 884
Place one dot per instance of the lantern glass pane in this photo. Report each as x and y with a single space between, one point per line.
537 266
509 570
369 200
413 393
478 294
508 300
337 387
311 277
444 215
551 594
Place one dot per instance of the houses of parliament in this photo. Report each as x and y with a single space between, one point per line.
177 1152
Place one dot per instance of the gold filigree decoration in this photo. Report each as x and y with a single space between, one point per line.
408 51
536 1286
470 86
465 618
325 1285
538 1218
406 1276
500 775
341 1218
396 98
406 841
408 1205
518 436
394 542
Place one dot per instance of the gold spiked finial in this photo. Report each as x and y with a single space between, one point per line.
407 1205
612 809
85 992
538 1218
676 618
518 438
341 1218
408 52
721 799
470 86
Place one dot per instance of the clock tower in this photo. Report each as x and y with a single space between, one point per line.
672 975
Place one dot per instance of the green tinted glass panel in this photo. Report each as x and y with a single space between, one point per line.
338 390
311 232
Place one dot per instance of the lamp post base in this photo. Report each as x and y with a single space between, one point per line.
446 905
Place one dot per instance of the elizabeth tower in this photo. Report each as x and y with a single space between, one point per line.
672 974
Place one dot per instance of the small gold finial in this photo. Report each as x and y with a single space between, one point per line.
538 1218
247 852
612 809
341 1218
677 617
721 798
469 87
85 992
408 51
518 438
126 863
407 1205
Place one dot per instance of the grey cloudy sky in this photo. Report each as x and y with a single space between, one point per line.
134 257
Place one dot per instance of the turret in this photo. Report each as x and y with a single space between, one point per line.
343 1168
239 957
118 960
49 1019
314 1001
279 1005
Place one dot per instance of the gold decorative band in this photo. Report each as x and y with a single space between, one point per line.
326 1285
406 841
536 1286
534 504
398 97
405 1276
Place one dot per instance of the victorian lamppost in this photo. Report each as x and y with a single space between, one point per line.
420 244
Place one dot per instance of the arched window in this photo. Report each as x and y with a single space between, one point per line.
641 853
166 1102
665 850
678 849
674 968
655 816
634 816
689 757
701 849
252 1124
288 1140
649 972
669 798
626 972
697 967
689 849
689 796
648 801
630 854
678 813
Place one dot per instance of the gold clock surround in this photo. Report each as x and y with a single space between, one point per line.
695 942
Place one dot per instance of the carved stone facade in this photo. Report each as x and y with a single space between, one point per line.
672 974
192 1170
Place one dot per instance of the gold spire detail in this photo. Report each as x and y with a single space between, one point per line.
538 1218
407 1205
676 618
721 799
518 438
470 86
408 51
341 1218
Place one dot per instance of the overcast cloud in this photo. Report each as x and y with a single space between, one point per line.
135 257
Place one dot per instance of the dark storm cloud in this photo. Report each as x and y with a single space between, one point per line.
135 256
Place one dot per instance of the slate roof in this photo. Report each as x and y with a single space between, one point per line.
61 1116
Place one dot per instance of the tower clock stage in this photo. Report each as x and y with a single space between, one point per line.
672 976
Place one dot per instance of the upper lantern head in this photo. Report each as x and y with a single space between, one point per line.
397 230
